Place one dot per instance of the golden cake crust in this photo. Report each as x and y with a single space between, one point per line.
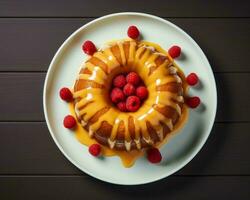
132 130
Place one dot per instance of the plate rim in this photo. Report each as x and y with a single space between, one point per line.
48 77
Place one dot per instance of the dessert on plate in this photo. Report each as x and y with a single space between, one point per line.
128 98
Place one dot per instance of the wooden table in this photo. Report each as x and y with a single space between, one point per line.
32 167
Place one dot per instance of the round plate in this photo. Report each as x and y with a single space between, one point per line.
181 148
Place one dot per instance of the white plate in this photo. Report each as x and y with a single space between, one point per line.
181 148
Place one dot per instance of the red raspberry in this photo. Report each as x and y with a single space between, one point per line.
192 79
88 47
66 94
154 155
174 51
129 89
133 78
119 81
69 122
193 102
133 103
122 106
142 92
133 32
117 95
95 149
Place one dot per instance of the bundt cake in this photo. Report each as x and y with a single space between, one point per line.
157 116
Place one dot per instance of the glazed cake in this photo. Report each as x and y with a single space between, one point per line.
128 98
157 116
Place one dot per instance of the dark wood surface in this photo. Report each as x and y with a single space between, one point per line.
95 8
224 40
31 166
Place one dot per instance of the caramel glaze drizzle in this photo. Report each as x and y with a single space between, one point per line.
158 114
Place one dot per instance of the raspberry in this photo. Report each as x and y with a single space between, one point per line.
122 106
192 79
133 78
95 149
66 94
142 92
133 103
174 51
193 102
117 95
69 122
154 155
88 47
119 81
133 32
129 89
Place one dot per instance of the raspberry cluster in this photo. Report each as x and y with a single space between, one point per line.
128 92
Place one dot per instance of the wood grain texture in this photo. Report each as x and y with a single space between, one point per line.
23 92
27 148
22 96
30 44
32 167
176 188
95 8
